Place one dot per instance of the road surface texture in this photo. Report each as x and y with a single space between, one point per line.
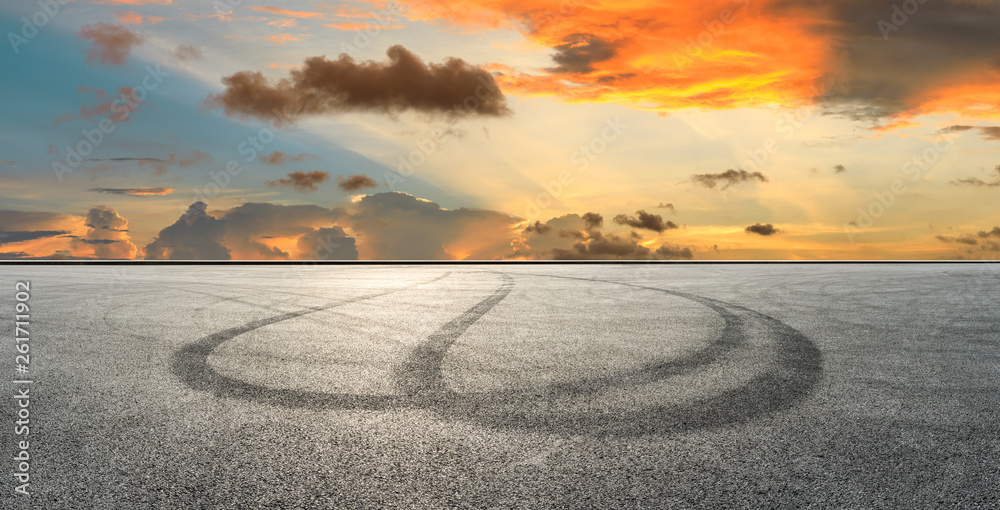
498 386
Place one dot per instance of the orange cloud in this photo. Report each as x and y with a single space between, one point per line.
111 43
134 18
975 96
666 55
107 234
346 11
286 12
118 110
136 2
102 234
654 55
362 26
284 38
283 23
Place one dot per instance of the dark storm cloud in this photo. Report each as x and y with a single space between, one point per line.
330 243
579 52
727 178
885 60
108 233
989 233
356 182
593 220
604 246
646 221
11 220
963 239
610 246
574 234
668 252
762 229
580 238
303 182
19 236
454 88
236 233
976 181
400 226
991 133
251 221
668 206
195 236
537 228
979 245
393 225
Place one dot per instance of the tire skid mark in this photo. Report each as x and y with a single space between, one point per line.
219 300
420 376
731 337
798 371
798 368
190 364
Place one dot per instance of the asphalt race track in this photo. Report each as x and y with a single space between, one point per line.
497 386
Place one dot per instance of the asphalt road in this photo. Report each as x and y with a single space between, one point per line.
496 386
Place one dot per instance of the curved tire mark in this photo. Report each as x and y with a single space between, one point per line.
420 376
798 370
190 364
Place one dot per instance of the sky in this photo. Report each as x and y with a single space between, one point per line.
500 130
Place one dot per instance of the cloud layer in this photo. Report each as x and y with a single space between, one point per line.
356 182
580 237
454 88
763 229
853 56
135 192
728 178
303 182
111 43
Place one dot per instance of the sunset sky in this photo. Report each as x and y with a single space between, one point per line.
500 129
